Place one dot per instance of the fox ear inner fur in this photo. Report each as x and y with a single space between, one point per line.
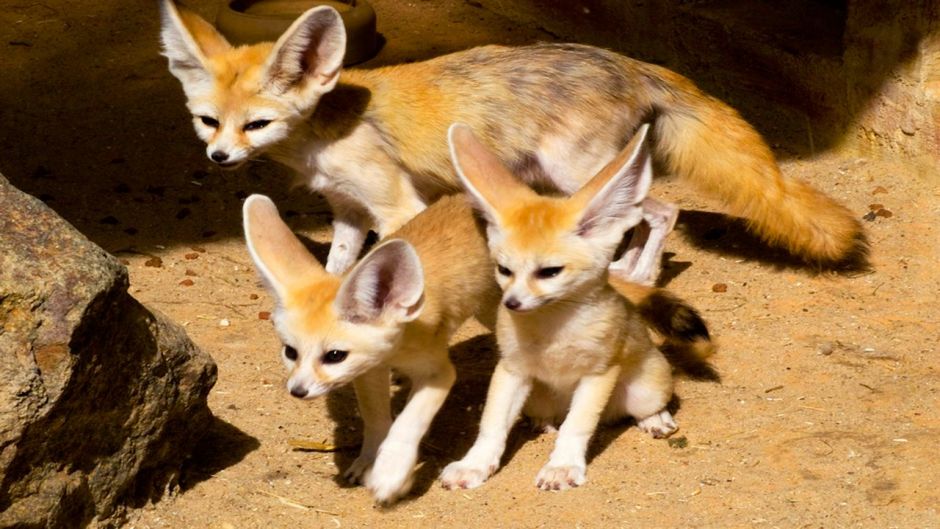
387 283
280 257
309 55
612 199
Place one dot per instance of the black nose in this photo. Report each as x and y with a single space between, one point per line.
219 156
298 392
512 303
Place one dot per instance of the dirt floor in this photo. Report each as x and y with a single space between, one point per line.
824 412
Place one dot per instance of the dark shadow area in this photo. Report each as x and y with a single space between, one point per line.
729 236
223 446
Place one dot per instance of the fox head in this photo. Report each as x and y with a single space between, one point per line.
245 99
551 248
333 329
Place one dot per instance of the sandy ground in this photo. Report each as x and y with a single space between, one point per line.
823 414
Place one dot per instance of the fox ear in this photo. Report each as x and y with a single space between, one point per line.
280 257
309 55
388 283
491 186
187 41
610 201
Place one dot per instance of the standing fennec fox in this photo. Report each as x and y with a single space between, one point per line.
373 142
572 349
397 308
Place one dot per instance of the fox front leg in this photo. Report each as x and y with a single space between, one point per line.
640 263
351 225
567 465
372 394
391 475
504 400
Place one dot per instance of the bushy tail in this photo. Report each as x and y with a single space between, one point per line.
707 142
685 334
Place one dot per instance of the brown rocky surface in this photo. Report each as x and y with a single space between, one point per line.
101 400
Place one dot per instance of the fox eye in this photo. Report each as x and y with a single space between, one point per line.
257 124
209 122
290 353
334 356
548 272
503 271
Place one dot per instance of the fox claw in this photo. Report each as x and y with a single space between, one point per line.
565 477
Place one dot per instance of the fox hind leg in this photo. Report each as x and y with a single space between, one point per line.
642 392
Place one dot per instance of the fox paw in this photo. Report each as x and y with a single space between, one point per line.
391 476
560 477
356 472
660 425
460 475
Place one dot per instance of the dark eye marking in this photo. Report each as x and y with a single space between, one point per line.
256 125
290 353
548 272
334 356
503 271
209 122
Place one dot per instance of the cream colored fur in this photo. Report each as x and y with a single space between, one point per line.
572 349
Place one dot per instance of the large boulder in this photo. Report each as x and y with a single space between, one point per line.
101 399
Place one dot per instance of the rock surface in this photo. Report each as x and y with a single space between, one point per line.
101 400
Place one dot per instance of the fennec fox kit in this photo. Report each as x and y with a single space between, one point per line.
397 308
572 349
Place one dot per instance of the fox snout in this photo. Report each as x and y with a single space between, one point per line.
225 158
523 303
302 389
298 391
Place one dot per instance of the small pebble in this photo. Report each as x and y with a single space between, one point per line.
191 273
191 256
825 348
224 322
187 283
154 262
719 287
879 190
253 296
264 315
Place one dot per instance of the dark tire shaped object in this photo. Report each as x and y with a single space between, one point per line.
250 21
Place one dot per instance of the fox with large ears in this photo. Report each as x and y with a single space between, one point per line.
373 142
572 350
397 308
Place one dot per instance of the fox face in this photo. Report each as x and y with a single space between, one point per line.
549 249
333 329
246 99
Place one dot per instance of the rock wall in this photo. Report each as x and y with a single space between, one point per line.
101 399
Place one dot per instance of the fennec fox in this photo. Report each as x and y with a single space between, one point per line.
373 142
572 349
397 308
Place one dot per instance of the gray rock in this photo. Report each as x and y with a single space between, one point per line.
101 399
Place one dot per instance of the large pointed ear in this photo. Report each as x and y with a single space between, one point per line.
188 40
610 202
309 55
387 284
280 257
491 186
